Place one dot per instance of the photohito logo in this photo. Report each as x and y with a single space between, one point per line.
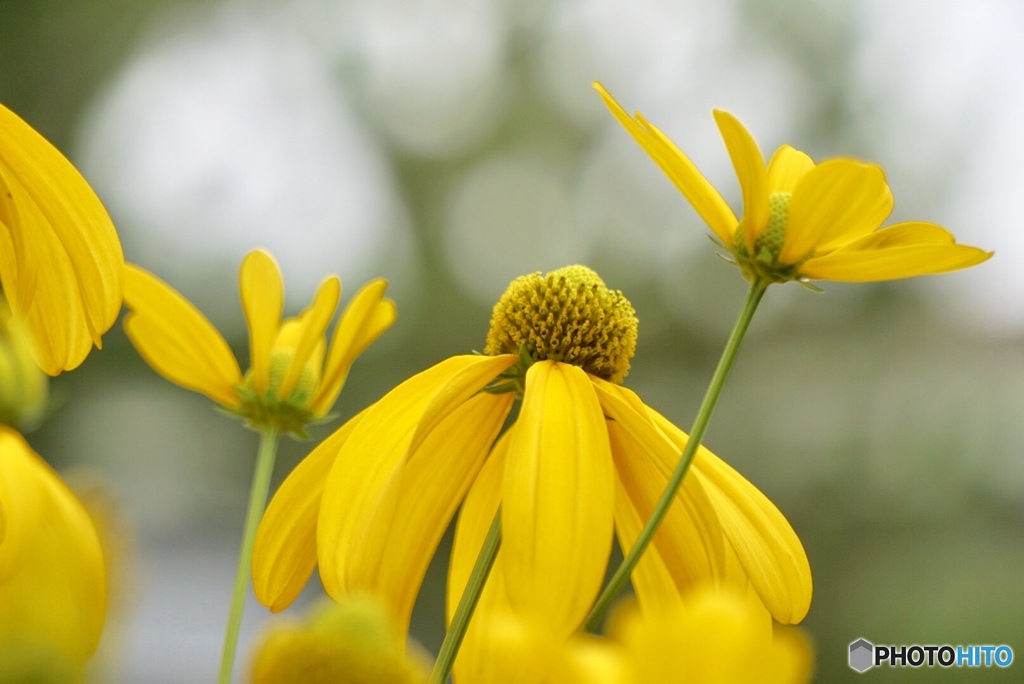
864 655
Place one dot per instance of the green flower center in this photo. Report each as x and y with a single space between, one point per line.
764 263
291 414
569 316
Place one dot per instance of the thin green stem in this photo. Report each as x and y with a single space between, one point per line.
467 604
700 426
257 503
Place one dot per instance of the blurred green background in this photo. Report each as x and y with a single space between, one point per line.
452 145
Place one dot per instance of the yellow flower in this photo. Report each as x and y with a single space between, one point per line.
349 643
801 220
714 637
583 457
289 384
52 578
61 263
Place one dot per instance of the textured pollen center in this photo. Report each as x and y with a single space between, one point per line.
570 316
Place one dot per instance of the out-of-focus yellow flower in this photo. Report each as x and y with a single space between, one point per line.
349 643
289 384
61 263
584 457
23 387
706 636
713 637
52 578
801 220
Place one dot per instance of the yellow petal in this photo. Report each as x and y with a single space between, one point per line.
62 243
368 479
463 385
475 517
500 646
400 537
651 579
689 540
559 498
751 172
262 292
787 168
764 541
52 576
900 251
365 319
838 201
315 320
284 554
703 196
178 341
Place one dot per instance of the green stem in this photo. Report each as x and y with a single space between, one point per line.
257 503
700 426
467 604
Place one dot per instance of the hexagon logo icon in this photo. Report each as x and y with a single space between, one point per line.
862 655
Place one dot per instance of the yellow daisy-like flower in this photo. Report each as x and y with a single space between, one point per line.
711 635
289 384
801 220
61 263
583 459
53 591
714 637
349 643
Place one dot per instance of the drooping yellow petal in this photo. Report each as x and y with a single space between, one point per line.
365 319
284 554
764 541
651 579
787 168
463 385
689 540
62 243
474 522
558 498
751 172
360 485
262 292
837 201
314 320
399 538
52 578
705 199
903 250
177 340
499 647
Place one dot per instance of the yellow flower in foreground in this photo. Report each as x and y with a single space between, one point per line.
289 384
583 457
709 636
350 643
801 220
61 263
52 578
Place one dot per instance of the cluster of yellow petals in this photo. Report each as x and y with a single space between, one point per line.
61 263
294 377
801 220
